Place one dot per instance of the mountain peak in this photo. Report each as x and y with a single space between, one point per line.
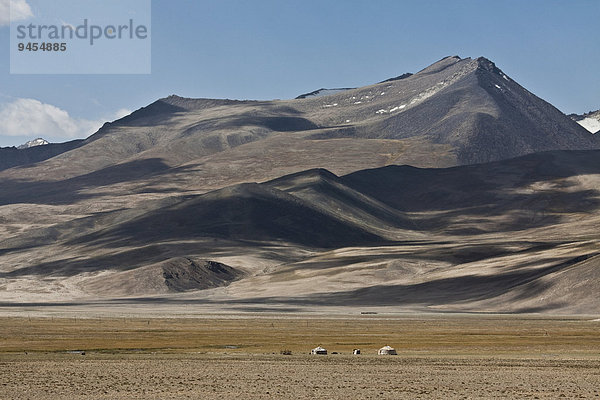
486 64
33 143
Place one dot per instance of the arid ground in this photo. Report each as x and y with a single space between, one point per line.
222 357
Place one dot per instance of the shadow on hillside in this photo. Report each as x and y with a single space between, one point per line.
496 184
527 192
11 157
270 123
125 260
243 212
448 291
524 284
432 252
69 191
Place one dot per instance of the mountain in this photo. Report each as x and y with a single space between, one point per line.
516 235
452 189
13 157
174 275
454 112
590 120
33 143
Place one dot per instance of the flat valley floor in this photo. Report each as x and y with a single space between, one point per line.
238 357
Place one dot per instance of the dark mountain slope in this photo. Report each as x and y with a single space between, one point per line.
178 274
12 157
477 109
248 212
501 184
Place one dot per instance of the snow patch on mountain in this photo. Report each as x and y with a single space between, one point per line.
591 124
590 120
33 143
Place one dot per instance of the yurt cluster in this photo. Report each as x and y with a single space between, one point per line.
384 351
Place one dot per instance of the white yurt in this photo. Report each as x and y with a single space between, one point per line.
387 351
319 350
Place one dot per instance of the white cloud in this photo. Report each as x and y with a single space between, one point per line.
14 10
123 112
30 117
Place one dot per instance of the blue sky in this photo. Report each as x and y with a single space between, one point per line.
268 49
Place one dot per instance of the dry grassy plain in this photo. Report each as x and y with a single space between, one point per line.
238 357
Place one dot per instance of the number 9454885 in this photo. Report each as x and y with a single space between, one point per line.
45 46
